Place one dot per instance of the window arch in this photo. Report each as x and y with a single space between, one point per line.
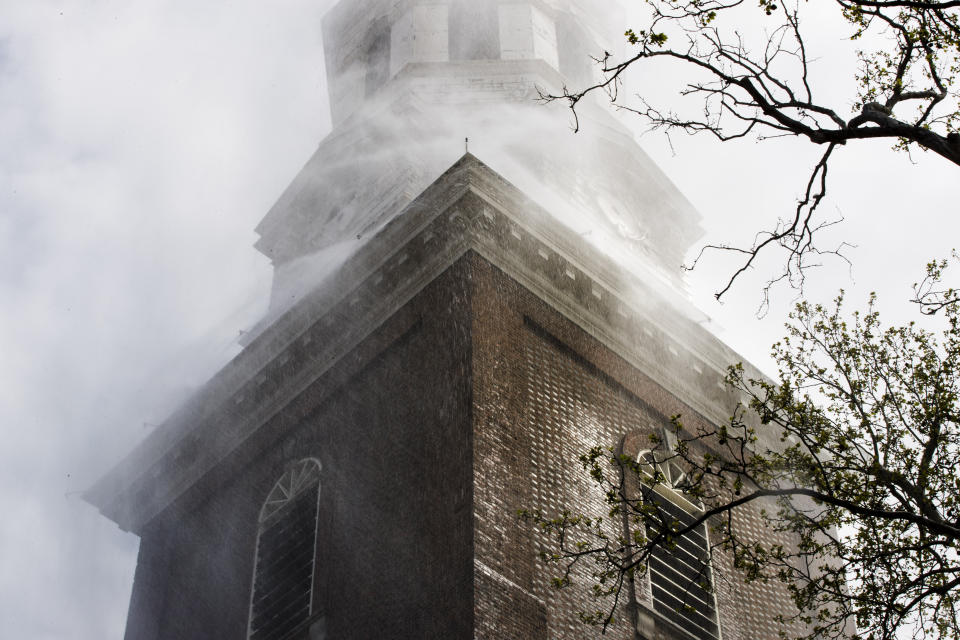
282 593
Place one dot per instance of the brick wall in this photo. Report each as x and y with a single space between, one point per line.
472 401
546 392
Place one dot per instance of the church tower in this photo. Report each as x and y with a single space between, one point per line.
445 336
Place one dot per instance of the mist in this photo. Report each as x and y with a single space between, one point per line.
132 178
141 145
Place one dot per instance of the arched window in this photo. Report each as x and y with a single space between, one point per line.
282 597
680 577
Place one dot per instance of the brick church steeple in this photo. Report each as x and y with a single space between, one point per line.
446 336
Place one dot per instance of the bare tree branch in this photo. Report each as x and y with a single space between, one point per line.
769 92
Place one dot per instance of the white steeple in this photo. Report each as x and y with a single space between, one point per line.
410 79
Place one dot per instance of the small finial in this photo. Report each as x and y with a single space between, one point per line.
466 145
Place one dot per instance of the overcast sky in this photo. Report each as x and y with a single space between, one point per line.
140 143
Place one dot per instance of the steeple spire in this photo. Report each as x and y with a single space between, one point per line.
370 43
408 79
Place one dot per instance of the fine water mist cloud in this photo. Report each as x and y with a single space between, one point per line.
139 145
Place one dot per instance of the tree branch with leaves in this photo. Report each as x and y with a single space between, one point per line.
851 457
